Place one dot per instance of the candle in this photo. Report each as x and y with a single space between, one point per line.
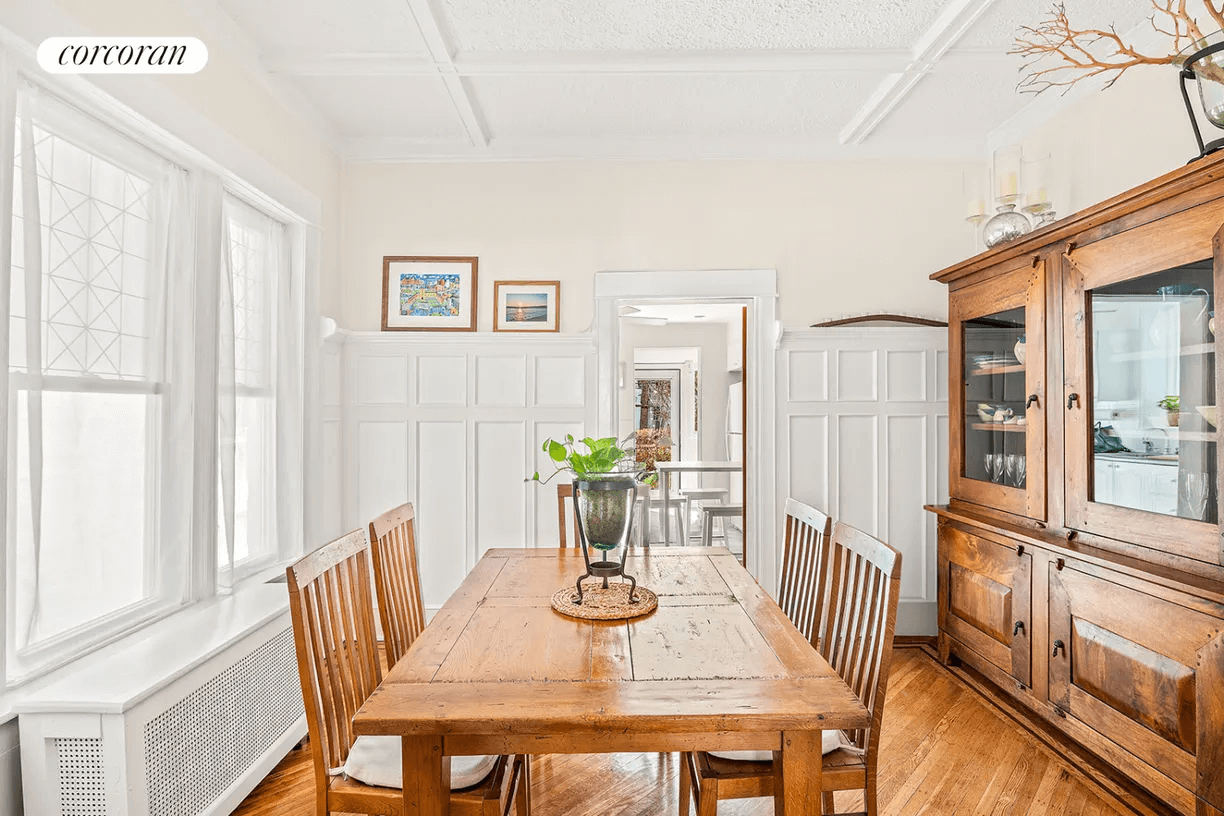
1010 184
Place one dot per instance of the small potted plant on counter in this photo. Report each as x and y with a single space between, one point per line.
1172 406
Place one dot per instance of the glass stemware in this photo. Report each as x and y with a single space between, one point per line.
1009 468
1019 470
994 466
1195 489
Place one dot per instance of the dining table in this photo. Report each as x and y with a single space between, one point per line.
716 666
666 469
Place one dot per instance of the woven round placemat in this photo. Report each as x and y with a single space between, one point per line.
605 604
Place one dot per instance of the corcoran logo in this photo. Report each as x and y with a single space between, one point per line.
122 55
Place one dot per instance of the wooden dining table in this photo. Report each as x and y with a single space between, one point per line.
717 666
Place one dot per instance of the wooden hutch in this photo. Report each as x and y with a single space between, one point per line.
1081 564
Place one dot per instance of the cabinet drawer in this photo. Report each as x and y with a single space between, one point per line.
1126 665
984 598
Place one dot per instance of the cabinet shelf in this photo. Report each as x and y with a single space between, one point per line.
1009 369
999 426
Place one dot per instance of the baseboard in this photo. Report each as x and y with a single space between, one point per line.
917 618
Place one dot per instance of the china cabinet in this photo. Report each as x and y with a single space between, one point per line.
1081 565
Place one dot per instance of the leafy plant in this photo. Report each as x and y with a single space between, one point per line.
602 456
1170 403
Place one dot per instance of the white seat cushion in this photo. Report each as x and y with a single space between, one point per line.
378 761
829 741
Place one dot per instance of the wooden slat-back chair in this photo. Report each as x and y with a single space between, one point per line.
397 579
855 634
801 594
566 491
331 604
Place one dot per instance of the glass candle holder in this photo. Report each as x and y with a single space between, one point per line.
1007 175
974 185
1036 175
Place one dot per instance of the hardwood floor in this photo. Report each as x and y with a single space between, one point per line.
944 750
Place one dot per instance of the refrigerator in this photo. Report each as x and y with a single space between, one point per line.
735 439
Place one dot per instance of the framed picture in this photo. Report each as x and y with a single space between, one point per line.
429 293
527 306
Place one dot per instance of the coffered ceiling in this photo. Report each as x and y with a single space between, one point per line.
394 80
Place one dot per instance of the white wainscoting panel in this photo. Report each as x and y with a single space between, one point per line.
326 509
460 438
866 440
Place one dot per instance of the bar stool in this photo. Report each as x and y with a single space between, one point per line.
711 512
699 495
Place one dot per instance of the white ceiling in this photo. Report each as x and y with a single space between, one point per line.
473 79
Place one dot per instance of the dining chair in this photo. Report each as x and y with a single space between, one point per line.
331 604
854 633
801 592
566 491
397 579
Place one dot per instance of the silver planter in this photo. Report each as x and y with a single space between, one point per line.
1005 225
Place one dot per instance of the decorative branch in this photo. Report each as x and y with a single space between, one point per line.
1058 55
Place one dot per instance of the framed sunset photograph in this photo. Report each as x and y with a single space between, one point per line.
527 306
429 293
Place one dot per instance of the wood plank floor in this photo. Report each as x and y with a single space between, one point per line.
944 750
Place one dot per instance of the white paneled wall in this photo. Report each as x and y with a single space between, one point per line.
863 436
454 423
327 508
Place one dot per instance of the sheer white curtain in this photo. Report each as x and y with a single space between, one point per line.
256 362
92 399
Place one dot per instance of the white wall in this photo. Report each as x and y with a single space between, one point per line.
1109 141
844 237
711 339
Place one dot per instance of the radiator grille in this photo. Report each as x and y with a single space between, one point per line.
201 745
82 785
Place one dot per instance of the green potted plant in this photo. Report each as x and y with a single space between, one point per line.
1172 406
605 479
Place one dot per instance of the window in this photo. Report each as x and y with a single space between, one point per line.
155 324
87 388
256 255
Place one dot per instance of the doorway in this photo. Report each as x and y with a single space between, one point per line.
752 296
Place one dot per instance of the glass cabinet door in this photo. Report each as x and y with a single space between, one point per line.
995 389
998 355
1141 403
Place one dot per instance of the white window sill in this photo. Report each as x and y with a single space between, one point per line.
121 674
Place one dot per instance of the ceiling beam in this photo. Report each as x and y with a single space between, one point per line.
430 24
950 26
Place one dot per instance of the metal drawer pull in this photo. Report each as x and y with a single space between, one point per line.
1018 628
1058 644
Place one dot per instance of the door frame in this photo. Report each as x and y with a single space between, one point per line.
758 289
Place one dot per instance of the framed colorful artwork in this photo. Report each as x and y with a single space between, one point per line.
527 306
429 293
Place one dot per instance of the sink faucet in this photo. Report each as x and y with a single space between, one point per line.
1148 447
